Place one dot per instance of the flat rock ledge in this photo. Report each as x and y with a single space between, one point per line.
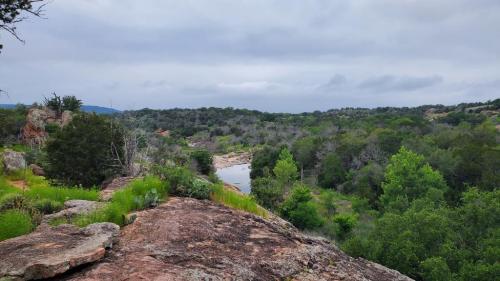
188 239
73 208
48 252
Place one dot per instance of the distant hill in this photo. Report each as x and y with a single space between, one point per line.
86 108
99 109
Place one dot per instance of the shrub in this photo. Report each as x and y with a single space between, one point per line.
17 201
86 151
345 224
13 201
47 206
139 194
183 182
203 160
305 216
198 189
267 192
15 223
300 210
235 200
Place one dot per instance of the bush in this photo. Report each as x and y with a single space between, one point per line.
86 151
300 210
267 192
47 206
184 183
203 160
15 223
198 189
305 216
345 224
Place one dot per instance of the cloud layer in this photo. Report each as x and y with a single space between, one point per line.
272 55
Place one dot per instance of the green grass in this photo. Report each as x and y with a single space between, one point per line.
30 179
5 188
15 147
39 188
235 200
14 223
62 194
139 194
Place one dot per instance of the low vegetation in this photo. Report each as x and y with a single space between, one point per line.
139 194
14 223
18 207
235 200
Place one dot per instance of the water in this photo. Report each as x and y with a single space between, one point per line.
238 175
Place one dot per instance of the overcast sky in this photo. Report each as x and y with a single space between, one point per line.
287 55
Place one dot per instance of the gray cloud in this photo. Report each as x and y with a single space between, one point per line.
271 55
390 83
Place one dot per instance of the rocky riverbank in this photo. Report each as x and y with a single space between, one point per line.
231 159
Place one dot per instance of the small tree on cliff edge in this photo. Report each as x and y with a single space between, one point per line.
86 151
59 105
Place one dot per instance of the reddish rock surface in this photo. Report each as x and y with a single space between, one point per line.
188 239
114 185
33 133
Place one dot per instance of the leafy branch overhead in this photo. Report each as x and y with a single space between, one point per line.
13 12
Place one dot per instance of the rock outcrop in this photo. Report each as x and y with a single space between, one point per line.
188 239
73 208
34 133
37 170
48 251
231 159
13 161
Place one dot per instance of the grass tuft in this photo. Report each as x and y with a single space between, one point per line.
15 223
235 200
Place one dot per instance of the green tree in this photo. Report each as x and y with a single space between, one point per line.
332 173
435 269
71 103
367 182
263 160
299 209
11 122
345 224
304 151
285 169
408 177
59 104
267 192
86 151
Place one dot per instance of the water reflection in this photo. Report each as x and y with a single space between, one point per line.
238 175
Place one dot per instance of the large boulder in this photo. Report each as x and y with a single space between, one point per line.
188 239
37 170
13 161
48 252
